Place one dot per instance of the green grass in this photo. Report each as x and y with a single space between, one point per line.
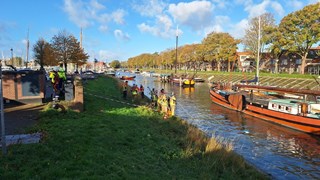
111 140
205 74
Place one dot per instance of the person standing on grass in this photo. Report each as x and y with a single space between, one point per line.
125 89
53 75
62 78
141 89
172 104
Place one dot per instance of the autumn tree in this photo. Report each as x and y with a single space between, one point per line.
67 49
220 47
300 30
115 64
43 53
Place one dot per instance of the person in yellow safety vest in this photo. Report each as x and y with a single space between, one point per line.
172 104
53 75
155 98
164 104
62 77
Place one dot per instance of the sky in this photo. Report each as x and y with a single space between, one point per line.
120 29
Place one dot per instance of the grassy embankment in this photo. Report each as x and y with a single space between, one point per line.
113 140
206 74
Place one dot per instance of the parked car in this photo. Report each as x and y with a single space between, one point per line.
88 75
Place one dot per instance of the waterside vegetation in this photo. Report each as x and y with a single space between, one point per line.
116 140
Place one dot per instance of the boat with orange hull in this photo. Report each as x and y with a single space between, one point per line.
277 107
128 78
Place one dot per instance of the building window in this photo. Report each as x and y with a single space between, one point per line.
284 62
298 61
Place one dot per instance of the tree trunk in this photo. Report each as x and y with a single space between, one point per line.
228 65
303 63
219 65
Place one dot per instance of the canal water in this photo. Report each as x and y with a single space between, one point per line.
279 151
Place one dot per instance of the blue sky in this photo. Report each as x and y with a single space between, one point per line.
120 29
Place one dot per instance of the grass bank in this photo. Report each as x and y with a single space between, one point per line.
206 74
111 140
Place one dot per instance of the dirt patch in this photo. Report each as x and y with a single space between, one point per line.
18 118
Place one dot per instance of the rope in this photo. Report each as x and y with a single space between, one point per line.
111 98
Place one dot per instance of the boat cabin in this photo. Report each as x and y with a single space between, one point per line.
296 107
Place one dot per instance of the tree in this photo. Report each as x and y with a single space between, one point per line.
251 37
220 47
44 54
115 64
67 49
300 30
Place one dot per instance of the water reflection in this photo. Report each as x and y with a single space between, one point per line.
282 152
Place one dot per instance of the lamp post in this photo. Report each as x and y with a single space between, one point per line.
3 134
11 55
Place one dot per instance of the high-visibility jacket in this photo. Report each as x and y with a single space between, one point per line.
54 77
62 74
172 101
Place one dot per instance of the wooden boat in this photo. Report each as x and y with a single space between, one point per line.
298 113
127 77
183 82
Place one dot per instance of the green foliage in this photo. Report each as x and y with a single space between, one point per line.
115 64
219 47
114 141
300 30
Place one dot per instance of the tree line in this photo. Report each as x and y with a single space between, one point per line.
296 33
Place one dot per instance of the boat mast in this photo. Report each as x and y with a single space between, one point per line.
258 56
175 66
27 56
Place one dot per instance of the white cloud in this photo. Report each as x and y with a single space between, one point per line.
96 5
255 10
120 35
277 8
296 4
196 14
118 16
217 25
220 3
103 28
108 56
149 8
85 14
238 30
163 27
77 13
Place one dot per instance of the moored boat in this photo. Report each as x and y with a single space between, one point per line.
297 113
127 77
184 82
198 79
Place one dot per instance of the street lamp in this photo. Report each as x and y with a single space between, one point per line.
3 134
11 55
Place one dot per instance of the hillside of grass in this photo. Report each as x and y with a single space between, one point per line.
113 140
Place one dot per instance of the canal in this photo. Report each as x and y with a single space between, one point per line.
282 152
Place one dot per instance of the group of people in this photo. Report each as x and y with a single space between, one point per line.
161 101
135 90
165 104
57 77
